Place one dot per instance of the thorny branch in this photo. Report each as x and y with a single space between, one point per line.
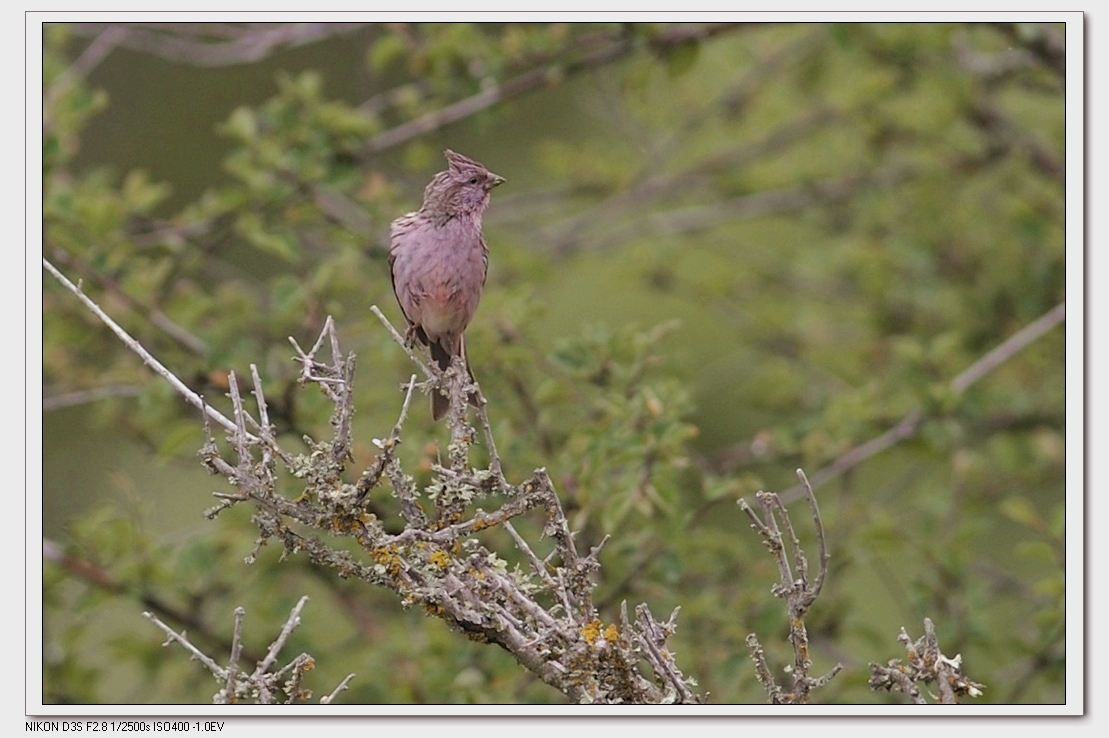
543 614
796 586
926 665
261 686
541 611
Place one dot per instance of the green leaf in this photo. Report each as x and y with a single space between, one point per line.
1021 511
681 58
386 51
241 125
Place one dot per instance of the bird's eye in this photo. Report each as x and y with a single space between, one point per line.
473 180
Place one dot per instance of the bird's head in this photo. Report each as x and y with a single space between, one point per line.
463 189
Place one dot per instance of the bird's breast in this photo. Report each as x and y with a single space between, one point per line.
444 270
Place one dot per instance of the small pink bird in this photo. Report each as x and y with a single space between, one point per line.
438 260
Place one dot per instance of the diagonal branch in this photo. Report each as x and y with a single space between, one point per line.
106 40
911 422
216 44
191 397
536 78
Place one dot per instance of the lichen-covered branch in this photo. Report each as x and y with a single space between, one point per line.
541 612
796 586
925 665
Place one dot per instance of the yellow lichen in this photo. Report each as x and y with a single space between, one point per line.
592 630
440 559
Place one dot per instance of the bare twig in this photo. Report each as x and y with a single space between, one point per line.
263 685
343 685
159 319
796 587
102 45
191 397
199 655
275 648
926 665
236 650
410 507
400 341
265 430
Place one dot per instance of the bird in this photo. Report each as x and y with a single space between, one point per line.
438 260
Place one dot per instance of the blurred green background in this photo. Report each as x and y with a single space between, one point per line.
723 252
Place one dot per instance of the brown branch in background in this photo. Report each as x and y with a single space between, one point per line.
567 235
105 41
697 218
80 397
990 66
1005 138
1046 42
545 75
215 44
86 571
383 101
911 422
1008 348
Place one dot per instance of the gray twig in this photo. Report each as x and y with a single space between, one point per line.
263 685
191 397
796 587
925 665
343 685
275 648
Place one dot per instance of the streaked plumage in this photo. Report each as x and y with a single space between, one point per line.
438 260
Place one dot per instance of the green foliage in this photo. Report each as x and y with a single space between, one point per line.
718 257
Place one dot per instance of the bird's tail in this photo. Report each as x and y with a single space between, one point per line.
440 403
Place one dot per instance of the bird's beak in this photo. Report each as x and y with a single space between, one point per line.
493 180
